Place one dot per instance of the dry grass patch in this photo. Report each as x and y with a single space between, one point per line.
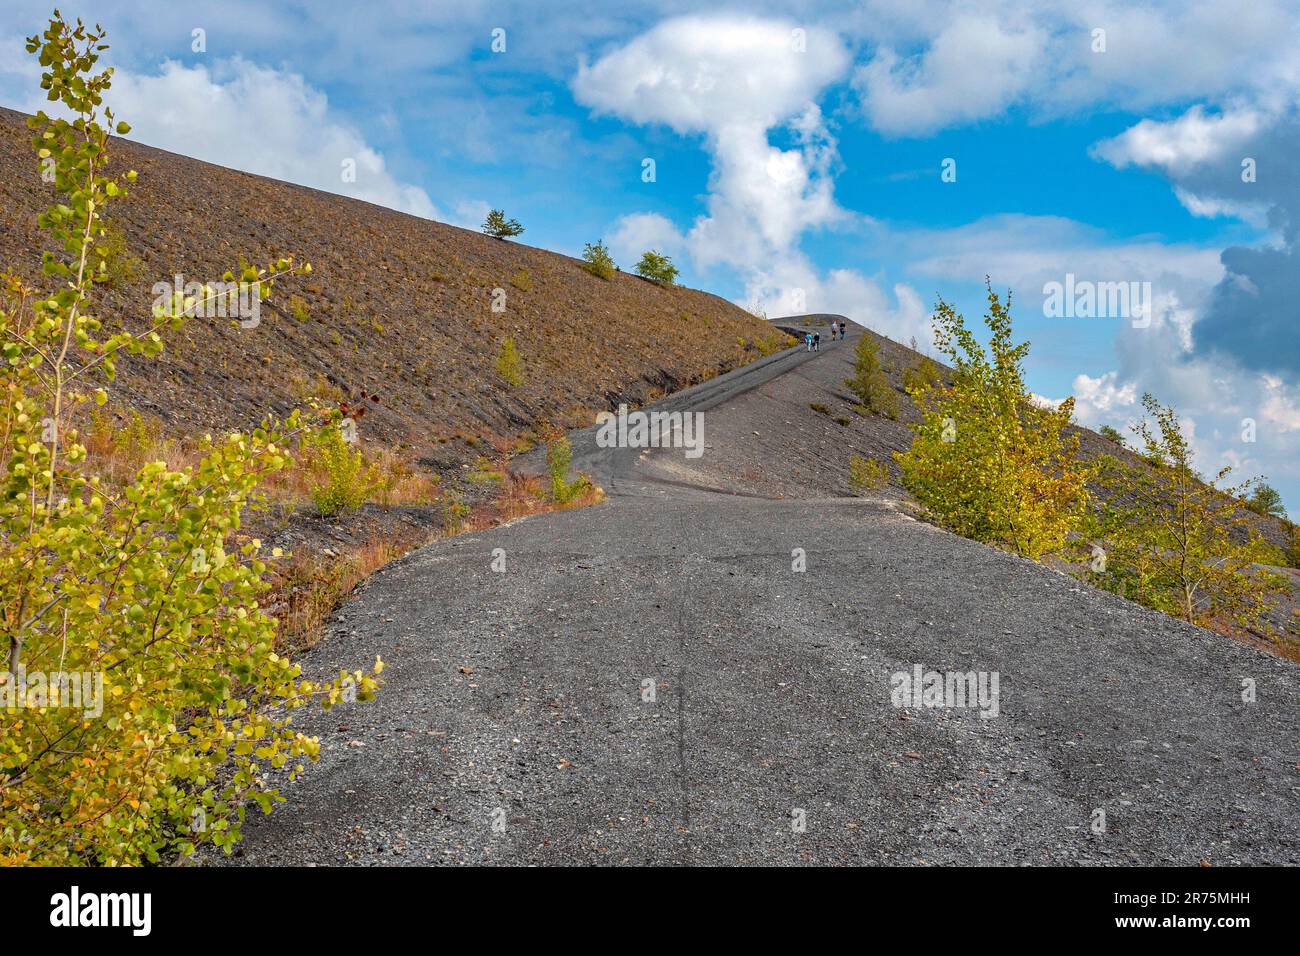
307 588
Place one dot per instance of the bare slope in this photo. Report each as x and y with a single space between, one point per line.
396 305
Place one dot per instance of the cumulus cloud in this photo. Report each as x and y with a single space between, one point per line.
973 68
1177 146
700 74
1210 207
1280 405
735 80
938 64
1214 394
1027 252
1101 397
1234 163
1233 416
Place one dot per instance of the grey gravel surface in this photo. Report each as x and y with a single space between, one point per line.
650 682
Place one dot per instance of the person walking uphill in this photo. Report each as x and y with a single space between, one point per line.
807 341
817 341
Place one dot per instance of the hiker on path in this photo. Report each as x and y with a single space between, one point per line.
807 341
817 341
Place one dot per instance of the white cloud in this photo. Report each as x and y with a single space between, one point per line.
1213 399
1213 394
1211 207
735 79
941 63
1213 402
973 68
1176 146
794 286
1280 407
702 74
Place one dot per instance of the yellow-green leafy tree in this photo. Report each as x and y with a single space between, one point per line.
139 592
1167 537
986 461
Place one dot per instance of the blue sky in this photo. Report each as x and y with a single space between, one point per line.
799 151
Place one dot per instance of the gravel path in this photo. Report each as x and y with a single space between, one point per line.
650 681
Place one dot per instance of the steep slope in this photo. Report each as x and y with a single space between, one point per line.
395 304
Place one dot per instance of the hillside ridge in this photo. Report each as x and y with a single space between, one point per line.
396 305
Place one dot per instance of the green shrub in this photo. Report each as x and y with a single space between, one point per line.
559 457
146 595
522 280
509 365
139 436
869 382
499 227
485 472
344 483
598 261
772 343
1111 434
867 475
1265 500
299 309
455 511
657 268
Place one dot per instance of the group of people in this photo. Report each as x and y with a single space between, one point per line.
813 340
